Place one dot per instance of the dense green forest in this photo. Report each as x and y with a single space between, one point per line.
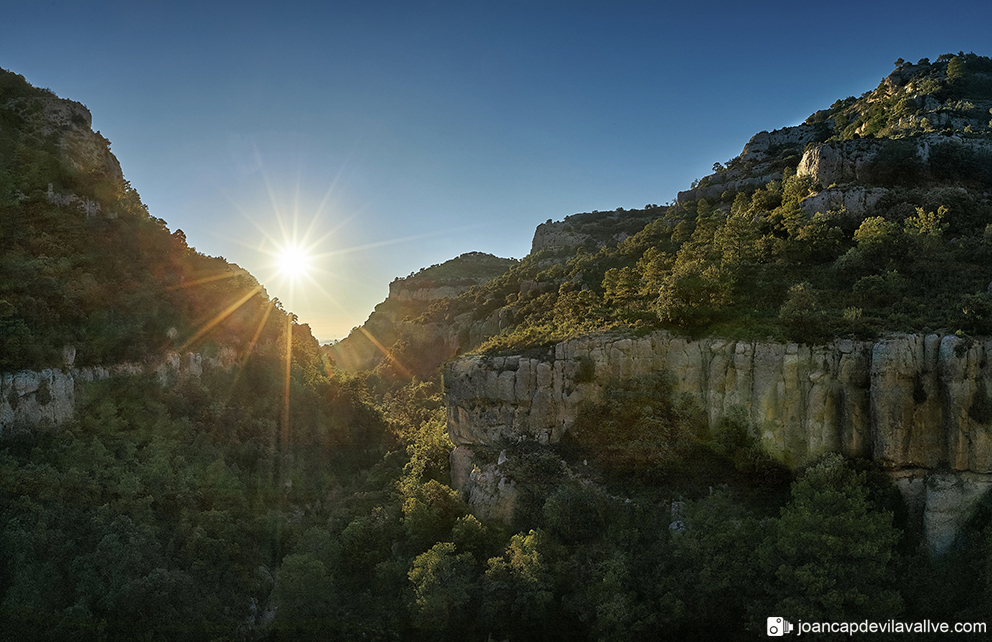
187 513
281 498
760 268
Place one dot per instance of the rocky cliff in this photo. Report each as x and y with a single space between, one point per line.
591 230
919 403
857 149
68 123
46 399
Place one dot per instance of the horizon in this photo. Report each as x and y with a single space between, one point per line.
400 137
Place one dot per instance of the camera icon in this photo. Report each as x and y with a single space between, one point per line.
777 627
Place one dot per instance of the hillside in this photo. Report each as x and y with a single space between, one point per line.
390 339
157 407
868 218
85 267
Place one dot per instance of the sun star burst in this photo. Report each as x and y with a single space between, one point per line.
294 261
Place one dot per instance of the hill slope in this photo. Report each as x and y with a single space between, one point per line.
870 217
86 267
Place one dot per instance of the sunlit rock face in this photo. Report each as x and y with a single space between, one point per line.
839 161
917 403
855 161
557 235
761 144
855 199
756 165
802 401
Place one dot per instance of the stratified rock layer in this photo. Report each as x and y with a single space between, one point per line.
917 403
33 400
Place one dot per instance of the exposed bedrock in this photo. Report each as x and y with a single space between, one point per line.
922 404
33 400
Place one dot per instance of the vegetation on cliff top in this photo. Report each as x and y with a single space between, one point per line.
466 269
757 262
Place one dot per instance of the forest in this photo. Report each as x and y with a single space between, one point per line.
188 513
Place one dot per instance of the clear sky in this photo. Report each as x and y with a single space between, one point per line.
402 134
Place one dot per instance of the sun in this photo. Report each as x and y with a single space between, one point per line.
294 261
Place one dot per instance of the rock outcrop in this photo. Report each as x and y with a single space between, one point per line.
850 161
919 403
760 161
91 207
40 400
840 161
557 236
856 200
762 144
394 333
87 152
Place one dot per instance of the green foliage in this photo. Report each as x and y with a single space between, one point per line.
637 426
709 557
518 588
443 584
832 554
468 269
801 312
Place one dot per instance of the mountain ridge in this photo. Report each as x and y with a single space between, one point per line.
87 268
812 231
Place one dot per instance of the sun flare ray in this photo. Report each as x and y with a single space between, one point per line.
220 316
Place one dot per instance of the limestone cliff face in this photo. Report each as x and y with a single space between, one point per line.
919 403
856 199
86 151
761 144
840 161
46 399
36 399
802 401
909 400
849 161
557 235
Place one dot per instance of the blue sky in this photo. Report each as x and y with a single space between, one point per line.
422 130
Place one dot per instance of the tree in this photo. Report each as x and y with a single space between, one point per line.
735 240
714 561
637 426
926 229
621 285
305 595
801 309
517 588
693 291
443 584
955 70
832 551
